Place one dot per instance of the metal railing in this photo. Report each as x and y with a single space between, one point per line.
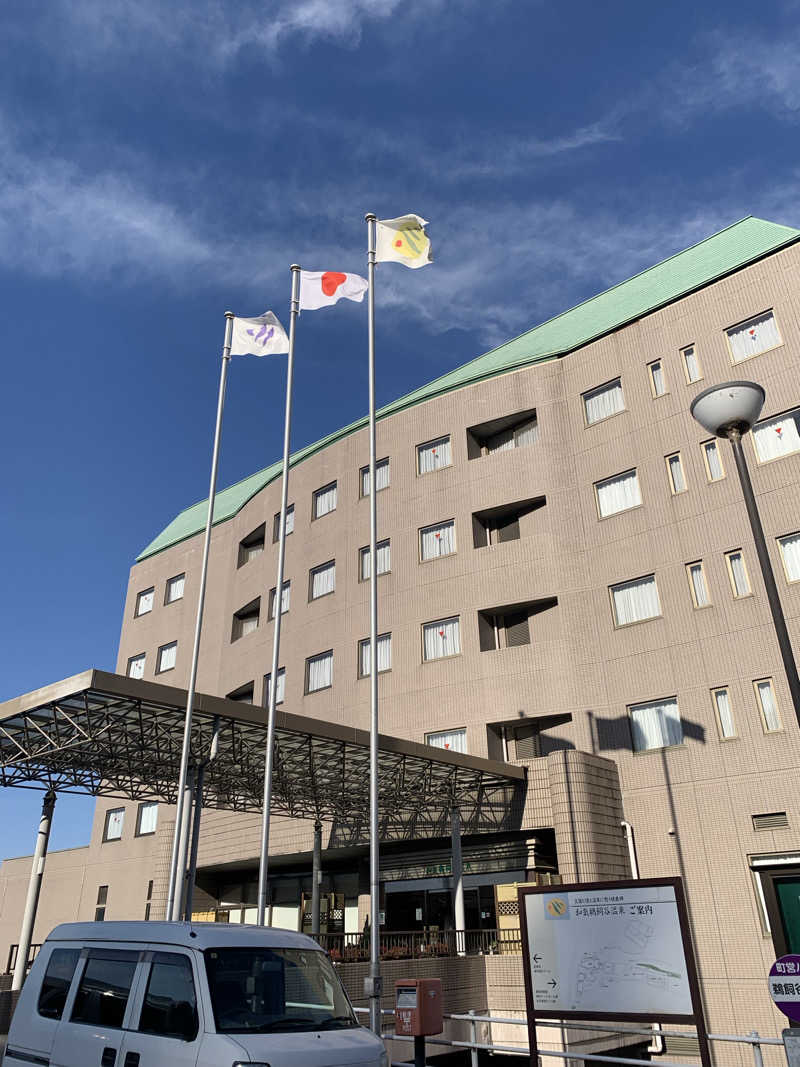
421 944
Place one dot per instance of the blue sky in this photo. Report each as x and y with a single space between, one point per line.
161 162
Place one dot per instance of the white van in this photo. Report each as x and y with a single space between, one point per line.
158 994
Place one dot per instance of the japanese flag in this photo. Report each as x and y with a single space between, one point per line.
321 288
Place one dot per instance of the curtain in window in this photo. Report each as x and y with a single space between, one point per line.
384 654
692 364
790 549
618 493
176 586
676 473
527 433
324 501
279 697
715 471
727 729
320 671
634 601
323 580
289 520
114 824
148 818
699 587
383 554
136 667
381 477
768 706
441 639
434 455
439 540
778 437
452 740
247 624
167 657
285 599
500 442
657 372
605 401
741 586
753 337
144 602
656 725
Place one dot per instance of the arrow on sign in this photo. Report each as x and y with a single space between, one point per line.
536 959
553 983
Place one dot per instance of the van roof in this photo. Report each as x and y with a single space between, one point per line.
189 935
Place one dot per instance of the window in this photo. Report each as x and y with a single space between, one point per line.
765 694
509 629
790 554
384 655
102 996
102 901
658 384
56 982
319 672
383 551
246 619
656 724
170 1005
144 602
136 666
722 705
276 524
698 584
381 476
503 435
280 696
286 597
322 580
433 455
677 482
619 493
167 655
175 587
149 901
737 572
115 818
691 364
603 402
635 601
753 337
777 437
441 638
243 694
713 460
438 540
452 740
506 523
252 545
324 500
147 818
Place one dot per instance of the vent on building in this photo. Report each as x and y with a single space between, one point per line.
773 820
687 1045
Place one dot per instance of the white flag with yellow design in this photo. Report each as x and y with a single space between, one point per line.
403 241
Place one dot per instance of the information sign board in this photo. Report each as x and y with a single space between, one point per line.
784 985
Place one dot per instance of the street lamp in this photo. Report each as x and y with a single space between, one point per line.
730 410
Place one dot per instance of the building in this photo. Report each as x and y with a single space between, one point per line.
568 581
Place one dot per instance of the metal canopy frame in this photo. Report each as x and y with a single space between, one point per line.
108 735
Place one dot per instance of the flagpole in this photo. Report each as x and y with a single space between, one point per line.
178 849
374 989
276 637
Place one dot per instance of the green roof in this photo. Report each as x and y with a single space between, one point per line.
718 255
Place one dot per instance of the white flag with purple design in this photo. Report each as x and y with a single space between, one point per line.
263 336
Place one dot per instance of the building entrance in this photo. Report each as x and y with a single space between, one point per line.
432 909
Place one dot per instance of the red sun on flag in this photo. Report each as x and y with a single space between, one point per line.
331 280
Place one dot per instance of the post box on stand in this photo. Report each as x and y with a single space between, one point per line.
418 1007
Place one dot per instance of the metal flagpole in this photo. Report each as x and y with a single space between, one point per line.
374 983
294 308
176 883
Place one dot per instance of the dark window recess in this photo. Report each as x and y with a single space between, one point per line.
773 820
524 738
244 694
509 522
252 545
509 626
102 901
103 993
502 435
527 742
57 980
170 1004
245 620
149 902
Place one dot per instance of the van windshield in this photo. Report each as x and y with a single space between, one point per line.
275 990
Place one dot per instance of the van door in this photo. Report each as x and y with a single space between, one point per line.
166 1025
90 1033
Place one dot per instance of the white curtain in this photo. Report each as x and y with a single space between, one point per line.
452 740
715 471
167 655
384 654
767 697
699 586
501 442
384 557
144 602
324 500
251 551
323 580
778 437
618 493
656 725
381 477
657 371
285 599
741 585
605 401
176 586
727 729
439 540
692 364
441 638
320 672
114 824
434 455
279 696
753 337
136 667
527 433
676 473
148 818
634 601
289 520
790 548
248 624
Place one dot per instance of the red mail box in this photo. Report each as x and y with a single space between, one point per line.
418 1007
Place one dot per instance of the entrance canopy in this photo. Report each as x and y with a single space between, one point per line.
109 735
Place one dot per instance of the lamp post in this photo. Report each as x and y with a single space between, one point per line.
730 410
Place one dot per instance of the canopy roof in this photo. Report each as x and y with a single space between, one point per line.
109 735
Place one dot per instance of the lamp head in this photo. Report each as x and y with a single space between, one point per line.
732 405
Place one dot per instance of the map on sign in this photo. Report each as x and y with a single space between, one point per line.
616 950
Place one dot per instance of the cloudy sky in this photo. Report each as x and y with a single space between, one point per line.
161 162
